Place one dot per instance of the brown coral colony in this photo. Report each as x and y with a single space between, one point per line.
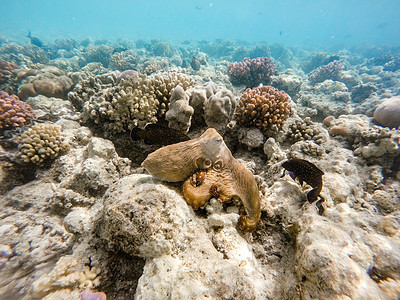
263 107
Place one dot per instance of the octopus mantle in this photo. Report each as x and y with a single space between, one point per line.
208 169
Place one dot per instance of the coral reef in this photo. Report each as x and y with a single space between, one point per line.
388 112
330 71
126 60
251 72
98 53
136 101
13 112
41 142
91 223
263 107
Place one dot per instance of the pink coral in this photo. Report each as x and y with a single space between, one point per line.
251 72
13 112
263 107
329 71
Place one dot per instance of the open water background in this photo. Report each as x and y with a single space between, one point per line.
310 23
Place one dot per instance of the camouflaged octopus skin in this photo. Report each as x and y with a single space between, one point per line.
209 170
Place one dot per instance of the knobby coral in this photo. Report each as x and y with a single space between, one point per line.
329 71
41 142
136 101
263 107
209 170
252 72
13 112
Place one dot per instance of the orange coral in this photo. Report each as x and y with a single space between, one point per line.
263 107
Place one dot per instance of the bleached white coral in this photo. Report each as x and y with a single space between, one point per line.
41 142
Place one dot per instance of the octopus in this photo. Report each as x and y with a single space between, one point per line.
306 172
208 169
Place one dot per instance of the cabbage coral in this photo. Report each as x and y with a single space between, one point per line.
263 107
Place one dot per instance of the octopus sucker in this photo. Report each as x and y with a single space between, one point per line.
208 169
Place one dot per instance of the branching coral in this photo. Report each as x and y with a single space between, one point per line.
90 86
263 107
329 71
13 112
251 72
136 101
299 130
124 60
41 142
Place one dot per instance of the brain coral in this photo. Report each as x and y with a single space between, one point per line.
251 72
263 107
13 112
41 142
135 101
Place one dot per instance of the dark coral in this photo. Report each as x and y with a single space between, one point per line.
251 72
13 112
263 107
329 71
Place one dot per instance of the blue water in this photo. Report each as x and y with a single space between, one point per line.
317 23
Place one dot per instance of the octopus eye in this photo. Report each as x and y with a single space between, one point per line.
207 163
217 166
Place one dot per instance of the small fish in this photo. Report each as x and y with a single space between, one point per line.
119 50
155 134
34 40
382 25
280 33
306 172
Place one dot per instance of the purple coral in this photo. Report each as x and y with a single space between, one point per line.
13 112
89 295
251 72
329 71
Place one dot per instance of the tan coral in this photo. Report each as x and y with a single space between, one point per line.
41 142
225 178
